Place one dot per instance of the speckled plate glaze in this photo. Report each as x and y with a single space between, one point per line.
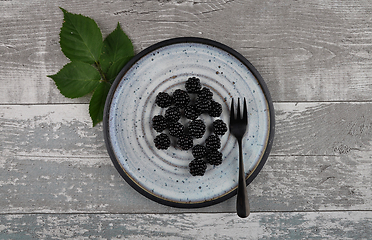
163 175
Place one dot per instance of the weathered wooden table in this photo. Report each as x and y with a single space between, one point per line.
57 180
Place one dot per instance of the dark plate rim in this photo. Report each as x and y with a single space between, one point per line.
152 48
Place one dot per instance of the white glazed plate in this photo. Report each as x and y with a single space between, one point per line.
163 175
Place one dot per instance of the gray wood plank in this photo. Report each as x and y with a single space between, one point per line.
289 225
304 50
301 129
52 160
73 185
323 128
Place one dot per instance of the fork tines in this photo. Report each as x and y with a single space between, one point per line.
238 114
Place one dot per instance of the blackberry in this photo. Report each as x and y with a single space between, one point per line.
191 112
202 105
197 167
205 93
193 85
215 109
162 141
197 128
199 151
185 142
172 114
214 157
219 127
175 129
163 100
213 142
181 98
159 123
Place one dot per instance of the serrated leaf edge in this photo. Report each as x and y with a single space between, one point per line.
65 12
58 86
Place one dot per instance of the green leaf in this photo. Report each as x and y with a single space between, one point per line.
116 52
80 38
76 79
97 103
116 68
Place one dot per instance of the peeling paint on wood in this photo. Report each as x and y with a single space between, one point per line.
301 129
305 51
337 128
54 151
57 181
304 225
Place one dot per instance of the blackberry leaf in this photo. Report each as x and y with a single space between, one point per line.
97 102
76 79
80 38
116 52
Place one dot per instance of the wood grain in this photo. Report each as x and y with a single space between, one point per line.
57 181
90 185
313 225
53 151
323 128
301 129
305 51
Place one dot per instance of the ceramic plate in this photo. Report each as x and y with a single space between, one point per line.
163 175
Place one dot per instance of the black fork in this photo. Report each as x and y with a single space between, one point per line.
238 127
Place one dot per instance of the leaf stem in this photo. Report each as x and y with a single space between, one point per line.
103 75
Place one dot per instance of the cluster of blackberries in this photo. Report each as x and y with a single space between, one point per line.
190 103
208 153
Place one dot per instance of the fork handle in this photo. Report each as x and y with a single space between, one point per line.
242 203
